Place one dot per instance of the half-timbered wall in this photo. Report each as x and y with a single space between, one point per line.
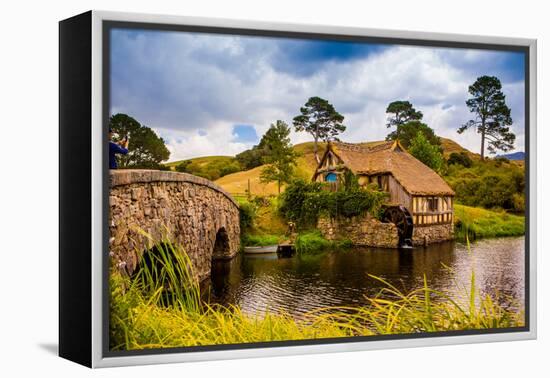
432 210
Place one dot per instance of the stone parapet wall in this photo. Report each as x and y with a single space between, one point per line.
424 235
136 176
184 209
361 230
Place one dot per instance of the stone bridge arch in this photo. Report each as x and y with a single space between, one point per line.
185 209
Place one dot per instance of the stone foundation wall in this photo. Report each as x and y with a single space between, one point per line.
362 231
187 210
370 232
424 235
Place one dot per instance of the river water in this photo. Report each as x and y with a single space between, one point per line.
260 283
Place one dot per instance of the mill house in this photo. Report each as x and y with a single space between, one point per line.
422 195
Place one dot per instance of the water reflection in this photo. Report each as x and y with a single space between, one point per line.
340 278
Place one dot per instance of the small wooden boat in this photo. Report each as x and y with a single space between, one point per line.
261 250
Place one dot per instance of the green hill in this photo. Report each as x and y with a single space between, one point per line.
203 160
210 167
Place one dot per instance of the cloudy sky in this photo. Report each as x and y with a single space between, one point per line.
209 94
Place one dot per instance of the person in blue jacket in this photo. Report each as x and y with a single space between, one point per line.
116 148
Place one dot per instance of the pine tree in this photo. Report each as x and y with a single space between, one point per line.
493 118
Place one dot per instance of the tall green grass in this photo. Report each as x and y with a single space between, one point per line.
160 308
392 311
313 242
261 240
477 223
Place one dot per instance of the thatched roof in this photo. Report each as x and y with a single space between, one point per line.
390 157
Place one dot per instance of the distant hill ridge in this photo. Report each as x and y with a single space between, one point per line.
520 155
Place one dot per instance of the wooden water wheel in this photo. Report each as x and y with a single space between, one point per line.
401 217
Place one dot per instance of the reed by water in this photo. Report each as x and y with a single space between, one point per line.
160 307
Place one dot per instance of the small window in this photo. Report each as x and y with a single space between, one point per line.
331 177
432 203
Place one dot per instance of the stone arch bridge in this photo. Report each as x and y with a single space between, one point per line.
184 209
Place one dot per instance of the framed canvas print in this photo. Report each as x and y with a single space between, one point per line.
233 189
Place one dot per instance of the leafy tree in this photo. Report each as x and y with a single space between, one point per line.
408 131
146 149
184 166
460 158
229 168
280 157
493 118
251 158
401 113
255 156
319 118
426 152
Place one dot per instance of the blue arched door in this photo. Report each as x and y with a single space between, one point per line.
331 177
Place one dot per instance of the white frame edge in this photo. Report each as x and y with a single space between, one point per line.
98 360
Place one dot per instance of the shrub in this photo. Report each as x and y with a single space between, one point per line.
460 158
183 166
294 201
499 160
247 215
519 202
347 203
311 242
489 184
303 202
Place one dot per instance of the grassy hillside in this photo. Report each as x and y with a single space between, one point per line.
204 160
209 167
449 146
238 182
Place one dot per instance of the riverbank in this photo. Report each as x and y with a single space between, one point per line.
145 314
266 226
480 223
